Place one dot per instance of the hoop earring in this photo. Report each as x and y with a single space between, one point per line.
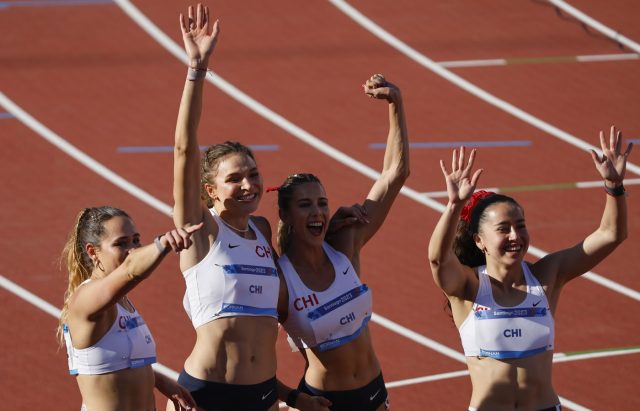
98 264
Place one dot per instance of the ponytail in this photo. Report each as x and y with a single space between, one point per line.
88 229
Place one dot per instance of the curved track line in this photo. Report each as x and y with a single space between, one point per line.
80 156
595 24
165 41
471 88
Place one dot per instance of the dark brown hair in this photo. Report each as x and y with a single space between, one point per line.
464 245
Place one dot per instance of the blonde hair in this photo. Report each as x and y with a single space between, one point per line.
88 229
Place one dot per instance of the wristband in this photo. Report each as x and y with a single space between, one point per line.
163 250
196 73
615 191
292 397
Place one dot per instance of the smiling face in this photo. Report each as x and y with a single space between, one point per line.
503 233
237 184
307 213
120 237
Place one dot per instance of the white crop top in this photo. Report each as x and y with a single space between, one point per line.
127 344
238 277
500 332
330 318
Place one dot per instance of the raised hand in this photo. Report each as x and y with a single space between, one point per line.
613 163
378 87
460 182
199 39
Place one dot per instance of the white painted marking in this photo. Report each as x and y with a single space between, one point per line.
473 63
612 34
503 62
608 57
426 62
80 156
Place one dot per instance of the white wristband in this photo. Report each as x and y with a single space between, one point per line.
195 73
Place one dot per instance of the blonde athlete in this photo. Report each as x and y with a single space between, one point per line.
502 305
109 346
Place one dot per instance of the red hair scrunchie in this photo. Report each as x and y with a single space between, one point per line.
471 204
274 188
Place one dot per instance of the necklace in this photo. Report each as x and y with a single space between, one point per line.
245 230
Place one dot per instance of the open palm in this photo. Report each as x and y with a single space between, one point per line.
613 163
460 182
199 38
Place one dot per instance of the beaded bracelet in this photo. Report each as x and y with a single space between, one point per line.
615 191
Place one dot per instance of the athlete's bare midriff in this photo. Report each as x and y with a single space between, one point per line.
347 367
124 390
506 385
235 350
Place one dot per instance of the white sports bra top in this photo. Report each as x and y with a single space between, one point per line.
500 332
127 344
330 318
238 277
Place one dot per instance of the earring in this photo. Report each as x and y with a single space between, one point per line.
99 264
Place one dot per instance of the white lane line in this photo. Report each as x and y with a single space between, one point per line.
557 358
427 378
80 156
608 57
538 60
542 187
612 34
426 62
301 134
561 357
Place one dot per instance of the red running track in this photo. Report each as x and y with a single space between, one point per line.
92 76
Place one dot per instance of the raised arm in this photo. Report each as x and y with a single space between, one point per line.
570 263
200 37
97 296
395 168
448 273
